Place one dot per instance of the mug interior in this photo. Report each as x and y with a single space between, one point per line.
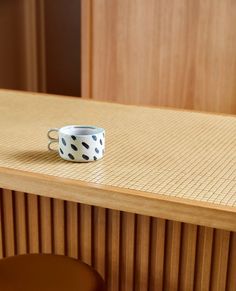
80 130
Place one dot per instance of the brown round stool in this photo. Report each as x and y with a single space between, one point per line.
47 273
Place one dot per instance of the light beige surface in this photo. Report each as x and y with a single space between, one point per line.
170 255
174 153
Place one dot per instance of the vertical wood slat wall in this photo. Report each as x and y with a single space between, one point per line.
132 252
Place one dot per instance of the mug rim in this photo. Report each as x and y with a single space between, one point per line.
96 130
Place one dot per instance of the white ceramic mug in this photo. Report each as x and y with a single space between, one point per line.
79 143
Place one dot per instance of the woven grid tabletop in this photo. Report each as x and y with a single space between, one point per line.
170 152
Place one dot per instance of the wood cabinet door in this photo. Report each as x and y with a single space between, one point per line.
178 53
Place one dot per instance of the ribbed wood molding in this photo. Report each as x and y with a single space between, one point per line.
132 252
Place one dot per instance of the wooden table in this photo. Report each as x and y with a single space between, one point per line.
159 211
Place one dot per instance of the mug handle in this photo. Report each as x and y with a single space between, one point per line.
52 139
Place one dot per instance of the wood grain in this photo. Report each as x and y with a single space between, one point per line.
203 259
61 39
113 250
178 54
99 240
220 260
86 43
161 206
59 227
127 262
30 44
131 251
187 164
188 255
157 253
1 227
172 256
86 233
12 71
72 229
20 223
33 223
41 46
231 280
142 246
45 224
8 218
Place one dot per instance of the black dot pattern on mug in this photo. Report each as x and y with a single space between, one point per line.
74 147
71 156
63 141
91 149
85 157
85 145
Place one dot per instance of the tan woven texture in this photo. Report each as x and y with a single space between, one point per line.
175 153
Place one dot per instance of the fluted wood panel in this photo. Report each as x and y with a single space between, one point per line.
131 251
231 281
157 253
45 222
20 223
1 227
142 253
113 250
178 53
188 251
86 233
127 251
172 255
72 229
99 240
58 226
33 223
203 258
220 260
8 220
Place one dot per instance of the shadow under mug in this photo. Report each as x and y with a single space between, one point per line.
78 143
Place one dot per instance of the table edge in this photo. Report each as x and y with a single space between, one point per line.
122 199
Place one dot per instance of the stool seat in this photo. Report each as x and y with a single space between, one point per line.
38 272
